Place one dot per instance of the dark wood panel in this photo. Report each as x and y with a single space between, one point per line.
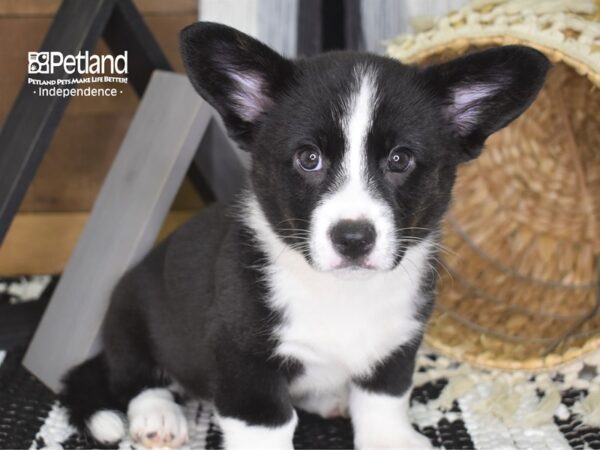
93 126
39 243
77 162
20 35
17 37
47 8
32 120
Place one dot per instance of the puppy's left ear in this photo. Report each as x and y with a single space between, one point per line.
483 92
238 75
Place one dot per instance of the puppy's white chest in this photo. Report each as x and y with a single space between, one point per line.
344 339
341 328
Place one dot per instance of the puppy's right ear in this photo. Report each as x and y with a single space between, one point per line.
239 76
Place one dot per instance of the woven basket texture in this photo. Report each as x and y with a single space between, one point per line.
519 284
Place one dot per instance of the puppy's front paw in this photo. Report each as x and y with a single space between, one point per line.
381 421
155 420
404 439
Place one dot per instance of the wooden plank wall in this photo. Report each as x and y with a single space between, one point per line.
57 203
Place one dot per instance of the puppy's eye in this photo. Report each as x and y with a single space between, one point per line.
400 159
309 159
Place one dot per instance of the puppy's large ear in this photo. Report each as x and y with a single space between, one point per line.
485 91
239 76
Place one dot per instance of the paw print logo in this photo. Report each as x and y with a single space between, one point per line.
39 62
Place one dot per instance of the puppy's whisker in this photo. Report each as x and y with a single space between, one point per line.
443 266
443 249
292 219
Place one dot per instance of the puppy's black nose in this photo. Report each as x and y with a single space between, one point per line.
353 238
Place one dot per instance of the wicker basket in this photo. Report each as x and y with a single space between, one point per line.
520 283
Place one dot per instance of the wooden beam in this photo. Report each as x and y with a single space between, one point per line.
218 165
47 8
130 209
126 31
43 242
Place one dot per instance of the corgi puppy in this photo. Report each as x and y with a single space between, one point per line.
313 290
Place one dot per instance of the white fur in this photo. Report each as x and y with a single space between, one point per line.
325 404
338 327
155 420
239 435
382 421
352 199
107 426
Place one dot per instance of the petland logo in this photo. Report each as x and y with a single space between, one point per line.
82 63
90 68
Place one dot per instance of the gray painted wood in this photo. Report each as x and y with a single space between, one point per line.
129 211
385 19
271 21
278 25
221 162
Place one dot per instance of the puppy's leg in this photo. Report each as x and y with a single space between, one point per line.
379 406
154 419
153 416
381 421
254 409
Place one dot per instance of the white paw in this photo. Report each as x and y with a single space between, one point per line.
155 420
239 435
402 440
382 421
107 426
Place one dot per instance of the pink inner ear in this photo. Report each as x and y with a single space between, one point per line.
249 97
467 102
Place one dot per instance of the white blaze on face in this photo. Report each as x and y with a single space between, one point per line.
352 199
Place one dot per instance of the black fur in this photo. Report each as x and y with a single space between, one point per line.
86 391
194 309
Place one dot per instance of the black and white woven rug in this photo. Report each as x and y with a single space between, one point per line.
454 405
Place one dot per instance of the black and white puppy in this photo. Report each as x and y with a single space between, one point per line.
314 291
